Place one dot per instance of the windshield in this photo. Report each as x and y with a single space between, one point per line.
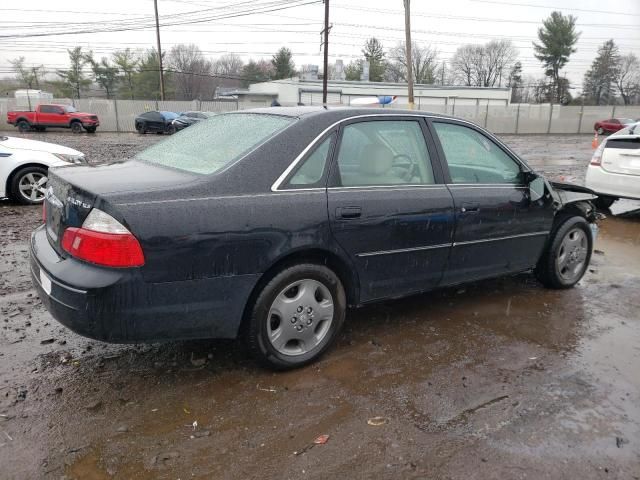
69 109
210 145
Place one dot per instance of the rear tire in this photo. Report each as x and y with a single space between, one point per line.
296 317
604 202
600 131
76 127
25 181
41 129
567 256
24 126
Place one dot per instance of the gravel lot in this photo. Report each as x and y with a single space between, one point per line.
500 379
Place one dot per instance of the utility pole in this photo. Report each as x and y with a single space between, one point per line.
326 52
155 6
407 31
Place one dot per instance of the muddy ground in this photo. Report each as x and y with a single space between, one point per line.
495 380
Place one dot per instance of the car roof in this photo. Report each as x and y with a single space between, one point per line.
338 112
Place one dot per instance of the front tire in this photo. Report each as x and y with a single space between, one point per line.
296 317
141 128
600 131
567 256
28 185
91 129
76 127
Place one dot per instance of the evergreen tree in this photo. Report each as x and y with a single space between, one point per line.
353 70
104 74
374 54
600 80
127 62
557 40
283 64
74 79
515 82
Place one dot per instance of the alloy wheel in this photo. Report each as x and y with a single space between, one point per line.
32 186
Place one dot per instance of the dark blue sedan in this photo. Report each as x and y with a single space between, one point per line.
268 224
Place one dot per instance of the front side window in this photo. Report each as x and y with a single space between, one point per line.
474 158
310 173
207 147
388 152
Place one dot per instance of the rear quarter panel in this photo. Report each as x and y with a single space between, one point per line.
225 235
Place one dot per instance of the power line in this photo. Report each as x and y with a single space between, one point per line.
556 7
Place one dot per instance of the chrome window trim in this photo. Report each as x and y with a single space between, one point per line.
278 183
453 244
403 250
497 239
399 186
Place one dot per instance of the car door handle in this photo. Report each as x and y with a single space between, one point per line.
470 208
348 212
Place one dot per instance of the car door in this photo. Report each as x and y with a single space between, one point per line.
389 210
498 230
49 115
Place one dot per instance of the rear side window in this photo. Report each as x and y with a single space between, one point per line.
207 147
311 172
49 109
474 158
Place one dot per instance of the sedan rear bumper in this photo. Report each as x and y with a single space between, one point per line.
119 306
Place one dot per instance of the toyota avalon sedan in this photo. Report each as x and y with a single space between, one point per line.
268 224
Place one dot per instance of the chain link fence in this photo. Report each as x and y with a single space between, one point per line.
119 115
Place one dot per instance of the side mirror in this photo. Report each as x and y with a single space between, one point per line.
536 186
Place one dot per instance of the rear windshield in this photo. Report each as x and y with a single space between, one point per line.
210 145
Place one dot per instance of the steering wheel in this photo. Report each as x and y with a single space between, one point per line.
405 166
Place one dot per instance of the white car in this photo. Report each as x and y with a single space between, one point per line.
24 165
614 171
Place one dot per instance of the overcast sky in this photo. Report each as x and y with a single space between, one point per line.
444 25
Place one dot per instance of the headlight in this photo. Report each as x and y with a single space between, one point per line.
77 159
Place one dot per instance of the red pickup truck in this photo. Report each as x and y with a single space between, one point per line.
61 116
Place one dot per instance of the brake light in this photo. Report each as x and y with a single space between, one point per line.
103 240
596 160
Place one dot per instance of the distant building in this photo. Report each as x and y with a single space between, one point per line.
338 71
309 72
341 92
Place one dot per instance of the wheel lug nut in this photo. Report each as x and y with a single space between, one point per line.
309 310
298 327
300 309
294 319
309 322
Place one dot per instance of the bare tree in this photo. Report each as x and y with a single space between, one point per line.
29 76
228 65
424 60
483 65
628 78
191 71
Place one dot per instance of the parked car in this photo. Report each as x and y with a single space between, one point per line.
189 118
614 171
612 125
24 167
58 116
269 223
156 122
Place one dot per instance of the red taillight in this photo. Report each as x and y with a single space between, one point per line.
106 249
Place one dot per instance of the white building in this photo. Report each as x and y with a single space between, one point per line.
309 92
